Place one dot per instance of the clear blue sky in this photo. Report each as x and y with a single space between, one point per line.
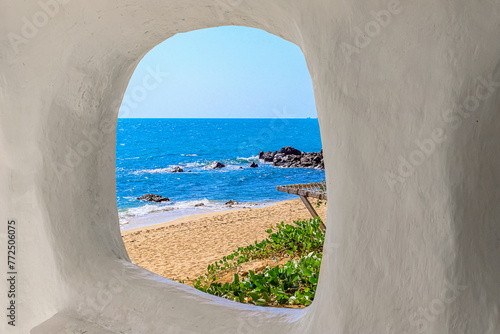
225 72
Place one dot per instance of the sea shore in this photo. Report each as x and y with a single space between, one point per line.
182 248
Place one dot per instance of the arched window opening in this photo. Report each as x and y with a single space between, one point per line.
211 123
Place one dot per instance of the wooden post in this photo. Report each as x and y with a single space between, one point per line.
311 210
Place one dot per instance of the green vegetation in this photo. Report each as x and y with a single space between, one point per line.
293 283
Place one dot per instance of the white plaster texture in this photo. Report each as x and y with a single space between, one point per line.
408 107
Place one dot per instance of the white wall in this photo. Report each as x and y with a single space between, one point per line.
421 255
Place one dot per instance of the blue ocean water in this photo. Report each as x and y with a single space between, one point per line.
147 149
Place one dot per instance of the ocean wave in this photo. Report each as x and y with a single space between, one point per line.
231 164
168 169
249 159
126 215
152 171
192 164
193 204
189 155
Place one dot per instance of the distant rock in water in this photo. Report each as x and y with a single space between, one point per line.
177 169
154 198
266 156
198 205
231 202
290 157
216 165
290 150
253 165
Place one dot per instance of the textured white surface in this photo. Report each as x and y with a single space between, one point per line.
421 255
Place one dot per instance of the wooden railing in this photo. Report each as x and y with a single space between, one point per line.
305 190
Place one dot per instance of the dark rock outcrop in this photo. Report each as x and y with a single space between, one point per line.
177 169
266 156
290 157
290 150
253 165
216 165
153 198
231 202
198 205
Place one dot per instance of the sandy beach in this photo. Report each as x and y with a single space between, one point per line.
182 248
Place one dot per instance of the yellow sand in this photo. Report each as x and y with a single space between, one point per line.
182 248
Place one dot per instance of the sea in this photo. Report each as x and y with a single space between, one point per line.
148 149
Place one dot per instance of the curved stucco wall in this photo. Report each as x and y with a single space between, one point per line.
408 100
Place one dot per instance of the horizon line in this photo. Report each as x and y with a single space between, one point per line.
217 118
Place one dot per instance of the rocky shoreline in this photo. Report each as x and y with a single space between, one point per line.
160 199
289 157
154 198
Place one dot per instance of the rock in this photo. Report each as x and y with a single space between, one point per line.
253 165
289 157
278 157
153 198
292 158
231 202
199 204
282 160
216 165
266 156
177 169
306 161
290 150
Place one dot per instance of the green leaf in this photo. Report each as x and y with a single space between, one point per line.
266 297
293 283
255 296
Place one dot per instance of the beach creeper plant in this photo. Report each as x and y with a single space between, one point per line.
293 283
295 240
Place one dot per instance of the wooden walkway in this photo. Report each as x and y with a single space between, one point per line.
305 190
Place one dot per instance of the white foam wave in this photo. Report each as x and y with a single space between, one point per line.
126 215
168 169
192 204
152 171
192 164
253 158
129 214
